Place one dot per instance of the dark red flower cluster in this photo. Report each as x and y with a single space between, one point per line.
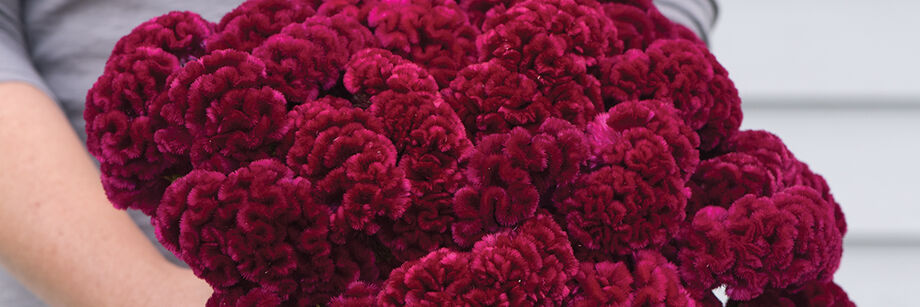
681 72
435 34
528 266
814 294
652 281
757 163
434 152
633 196
510 173
759 243
304 60
122 111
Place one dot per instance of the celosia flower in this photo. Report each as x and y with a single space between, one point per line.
352 164
478 9
635 27
649 281
783 241
240 228
722 180
489 98
373 71
808 178
122 108
431 141
258 226
766 148
358 294
220 114
527 266
754 162
307 58
814 294
436 152
683 73
634 197
656 282
509 174
247 26
352 9
603 284
655 117
434 34
181 34
580 27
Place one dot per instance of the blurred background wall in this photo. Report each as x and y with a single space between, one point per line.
839 82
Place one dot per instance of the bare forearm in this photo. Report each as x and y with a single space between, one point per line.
58 233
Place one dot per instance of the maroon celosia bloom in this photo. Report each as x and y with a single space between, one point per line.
524 267
683 73
358 294
635 28
122 108
352 164
491 98
649 281
754 162
579 27
259 226
120 128
751 162
254 21
509 174
179 33
756 244
606 210
434 34
220 114
430 142
442 152
500 193
353 9
635 195
546 264
722 180
766 148
814 294
808 178
603 284
243 297
646 119
242 227
477 9
307 58
656 283
372 71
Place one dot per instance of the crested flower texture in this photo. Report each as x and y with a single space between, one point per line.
457 153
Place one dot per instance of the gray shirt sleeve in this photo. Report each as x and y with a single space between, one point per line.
15 62
697 15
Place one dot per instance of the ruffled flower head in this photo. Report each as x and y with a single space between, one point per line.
444 152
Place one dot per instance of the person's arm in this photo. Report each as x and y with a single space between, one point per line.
59 235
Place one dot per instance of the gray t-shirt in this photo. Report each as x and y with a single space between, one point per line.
60 46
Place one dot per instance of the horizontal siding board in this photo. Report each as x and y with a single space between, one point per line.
874 276
820 47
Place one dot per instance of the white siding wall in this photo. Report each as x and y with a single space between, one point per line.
839 82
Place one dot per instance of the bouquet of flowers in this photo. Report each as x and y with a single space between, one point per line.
480 152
